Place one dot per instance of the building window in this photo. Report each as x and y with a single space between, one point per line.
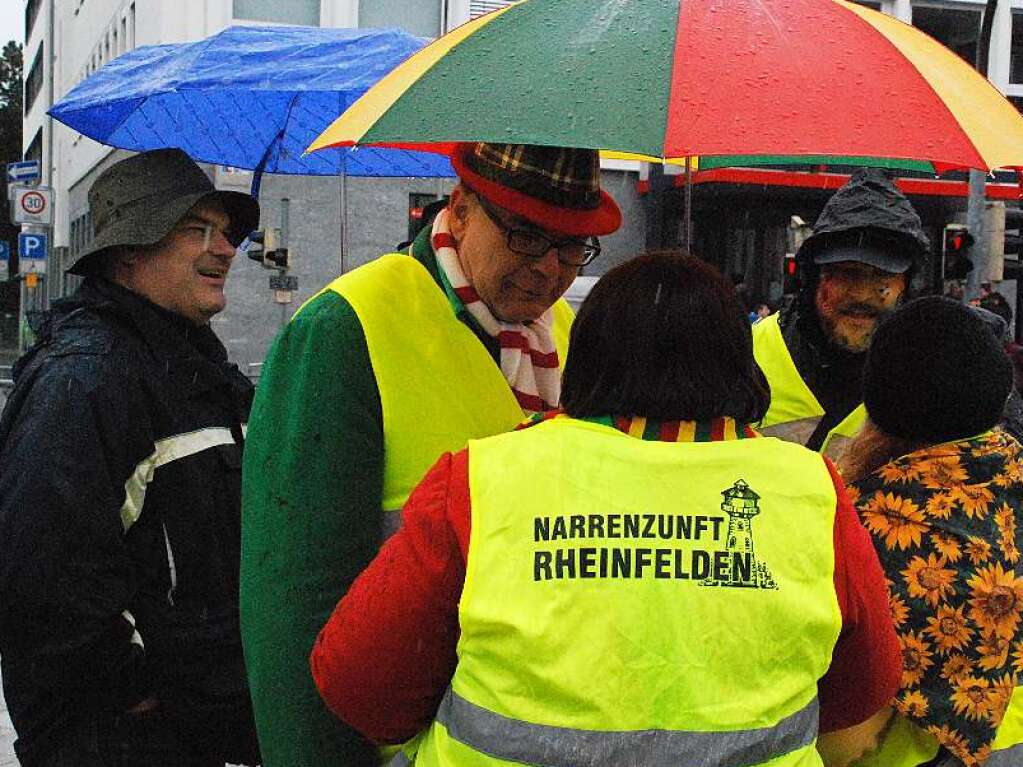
479 7
956 29
34 81
305 12
422 18
35 149
1016 47
31 12
129 38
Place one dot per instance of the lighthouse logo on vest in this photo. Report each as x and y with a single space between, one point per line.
741 504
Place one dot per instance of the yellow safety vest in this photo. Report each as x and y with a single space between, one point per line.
439 386
904 744
635 602
795 413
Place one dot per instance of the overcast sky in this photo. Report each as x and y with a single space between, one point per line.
12 21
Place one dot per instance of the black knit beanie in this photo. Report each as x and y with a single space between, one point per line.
935 373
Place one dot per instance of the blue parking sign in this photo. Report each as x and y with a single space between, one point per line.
32 250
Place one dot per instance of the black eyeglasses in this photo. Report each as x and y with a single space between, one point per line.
532 244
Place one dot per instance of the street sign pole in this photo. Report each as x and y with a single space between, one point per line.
33 248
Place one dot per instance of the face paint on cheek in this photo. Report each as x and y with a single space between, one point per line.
890 294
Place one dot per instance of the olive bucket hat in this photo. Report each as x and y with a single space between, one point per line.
137 201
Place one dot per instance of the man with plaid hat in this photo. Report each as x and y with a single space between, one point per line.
120 491
387 368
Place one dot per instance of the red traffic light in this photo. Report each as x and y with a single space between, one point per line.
957 240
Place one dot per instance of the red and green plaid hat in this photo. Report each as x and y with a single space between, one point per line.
557 188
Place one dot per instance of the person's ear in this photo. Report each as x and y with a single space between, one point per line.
458 207
904 287
123 261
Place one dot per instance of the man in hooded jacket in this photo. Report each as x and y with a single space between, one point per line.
853 270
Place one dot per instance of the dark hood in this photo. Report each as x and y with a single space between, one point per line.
869 208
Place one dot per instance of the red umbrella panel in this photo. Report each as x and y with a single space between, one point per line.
672 79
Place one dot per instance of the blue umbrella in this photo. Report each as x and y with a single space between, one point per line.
248 97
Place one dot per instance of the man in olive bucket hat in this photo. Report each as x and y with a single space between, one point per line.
390 366
120 485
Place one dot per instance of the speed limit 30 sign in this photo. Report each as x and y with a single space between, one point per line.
32 205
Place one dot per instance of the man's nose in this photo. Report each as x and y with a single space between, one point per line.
865 288
548 264
220 245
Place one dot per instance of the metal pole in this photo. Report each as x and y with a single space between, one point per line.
687 239
341 217
976 224
22 297
285 216
344 220
50 86
285 220
981 252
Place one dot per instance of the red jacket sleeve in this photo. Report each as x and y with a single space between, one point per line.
387 654
866 665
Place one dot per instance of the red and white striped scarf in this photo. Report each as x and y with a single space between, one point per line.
529 359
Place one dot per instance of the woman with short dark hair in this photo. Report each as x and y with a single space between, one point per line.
636 580
684 348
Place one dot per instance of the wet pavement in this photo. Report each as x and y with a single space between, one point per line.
6 737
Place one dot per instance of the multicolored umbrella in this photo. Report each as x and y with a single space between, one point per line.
669 79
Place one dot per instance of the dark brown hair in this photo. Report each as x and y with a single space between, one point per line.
663 336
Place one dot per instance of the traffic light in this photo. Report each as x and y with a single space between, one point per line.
955 252
265 247
789 282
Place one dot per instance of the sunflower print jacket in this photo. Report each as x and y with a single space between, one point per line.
945 523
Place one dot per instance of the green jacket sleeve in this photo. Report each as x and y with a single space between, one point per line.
312 484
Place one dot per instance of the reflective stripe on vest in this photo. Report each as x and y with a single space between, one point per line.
794 412
439 386
1006 757
400 759
671 597
518 741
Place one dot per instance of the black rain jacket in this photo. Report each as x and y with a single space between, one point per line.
120 472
